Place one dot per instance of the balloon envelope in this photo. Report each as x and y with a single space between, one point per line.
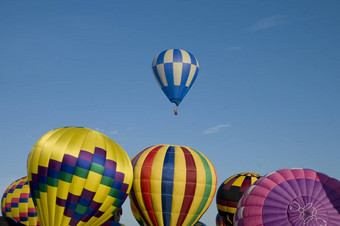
173 185
17 203
291 197
219 220
175 71
136 214
230 192
78 175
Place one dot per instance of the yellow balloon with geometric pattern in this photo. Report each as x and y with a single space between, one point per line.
17 203
78 176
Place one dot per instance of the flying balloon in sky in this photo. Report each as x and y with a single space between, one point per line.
175 71
172 185
78 176
230 192
17 203
298 197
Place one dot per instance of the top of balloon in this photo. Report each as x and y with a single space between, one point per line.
175 71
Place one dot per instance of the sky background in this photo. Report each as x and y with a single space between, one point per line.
266 97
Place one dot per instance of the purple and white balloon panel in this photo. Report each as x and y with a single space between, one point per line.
291 197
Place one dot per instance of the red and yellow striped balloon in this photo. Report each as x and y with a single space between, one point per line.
172 185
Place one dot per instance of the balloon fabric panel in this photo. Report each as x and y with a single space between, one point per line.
182 199
75 177
168 184
146 186
206 186
17 203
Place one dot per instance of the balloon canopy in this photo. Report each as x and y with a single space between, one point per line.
175 71
291 197
219 220
17 203
172 185
136 214
230 192
78 175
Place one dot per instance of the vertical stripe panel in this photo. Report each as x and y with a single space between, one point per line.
169 73
190 187
156 182
136 157
154 62
185 57
136 191
185 75
169 56
177 73
136 204
179 186
210 187
156 75
193 60
199 191
190 80
162 75
146 184
194 78
160 58
167 184
177 56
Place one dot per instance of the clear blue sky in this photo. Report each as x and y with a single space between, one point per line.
267 96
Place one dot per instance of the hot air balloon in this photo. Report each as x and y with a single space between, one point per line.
17 203
291 197
230 192
78 176
136 214
175 71
219 220
172 185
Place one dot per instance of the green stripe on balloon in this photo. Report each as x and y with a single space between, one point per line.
207 189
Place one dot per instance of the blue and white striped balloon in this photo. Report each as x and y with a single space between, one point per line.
175 71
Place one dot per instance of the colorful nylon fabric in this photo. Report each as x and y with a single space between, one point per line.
78 176
173 185
175 71
219 220
230 192
17 203
297 197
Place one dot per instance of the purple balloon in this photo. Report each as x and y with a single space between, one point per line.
298 197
